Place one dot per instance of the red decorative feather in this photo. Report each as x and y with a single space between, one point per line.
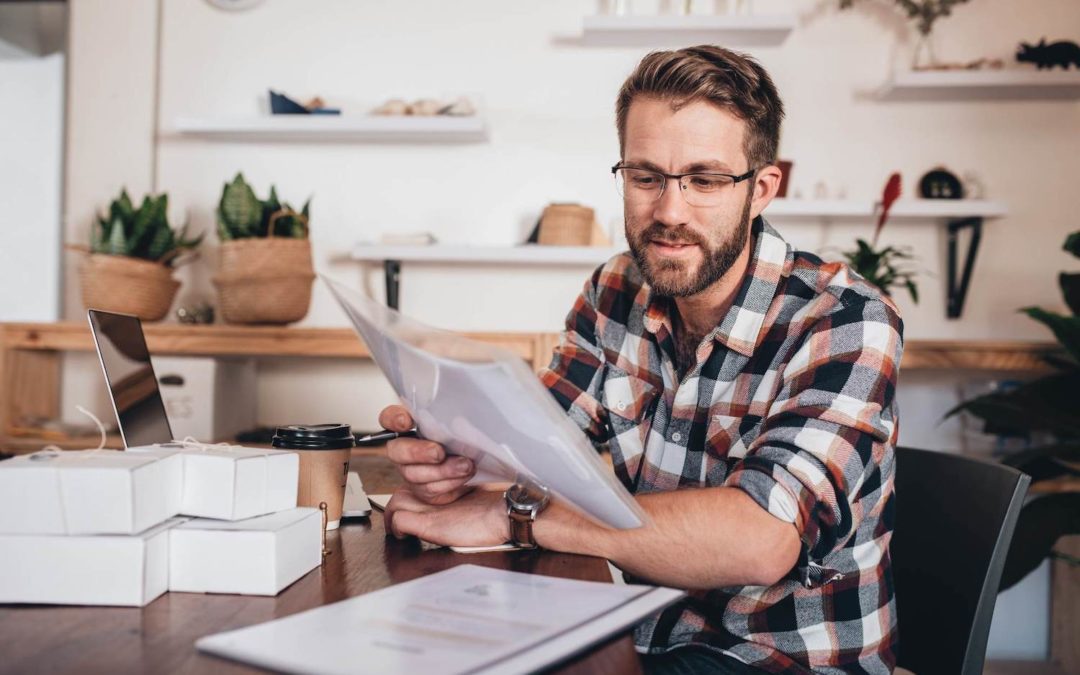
888 196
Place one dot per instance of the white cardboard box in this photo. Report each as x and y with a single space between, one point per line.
88 492
257 556
210 399
123 570
234 482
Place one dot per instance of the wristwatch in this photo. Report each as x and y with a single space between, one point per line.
524 502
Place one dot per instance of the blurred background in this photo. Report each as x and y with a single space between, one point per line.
447 126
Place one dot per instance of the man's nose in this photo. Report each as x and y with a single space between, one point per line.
671 208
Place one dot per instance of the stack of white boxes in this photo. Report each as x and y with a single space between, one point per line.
100 527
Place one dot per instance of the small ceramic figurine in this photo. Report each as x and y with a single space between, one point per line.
394 106
1062 53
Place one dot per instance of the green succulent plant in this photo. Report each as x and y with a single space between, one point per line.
242 215
1044 407
141 233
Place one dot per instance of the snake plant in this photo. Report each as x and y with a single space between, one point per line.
242 215
142 232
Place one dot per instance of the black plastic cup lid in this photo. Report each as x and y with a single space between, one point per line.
314 437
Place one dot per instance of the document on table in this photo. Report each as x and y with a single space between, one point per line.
464 619
483 402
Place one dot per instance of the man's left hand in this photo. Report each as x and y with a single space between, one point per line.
477 519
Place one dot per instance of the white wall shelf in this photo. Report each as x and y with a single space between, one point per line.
320 128
958 214
527 254
982 85
903 209
638 30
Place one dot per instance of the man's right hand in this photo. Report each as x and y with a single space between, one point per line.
431 475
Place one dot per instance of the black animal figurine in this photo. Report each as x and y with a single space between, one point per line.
1062 53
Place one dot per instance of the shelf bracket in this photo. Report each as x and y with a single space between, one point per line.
957 290
393 282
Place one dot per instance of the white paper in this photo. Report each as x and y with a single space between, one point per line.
483 402
256 556
465 619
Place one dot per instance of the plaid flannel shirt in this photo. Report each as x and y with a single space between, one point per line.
792 400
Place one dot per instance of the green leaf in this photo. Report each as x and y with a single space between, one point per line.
1046 404
1066 328
1070 289
1042 522
1046 462
1072 244
122 208
117 239
163 242
912 289
239 209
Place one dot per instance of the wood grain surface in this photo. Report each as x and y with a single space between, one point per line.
160 637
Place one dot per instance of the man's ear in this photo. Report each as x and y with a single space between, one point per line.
766 183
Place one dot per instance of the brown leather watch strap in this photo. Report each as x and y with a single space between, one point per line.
521 531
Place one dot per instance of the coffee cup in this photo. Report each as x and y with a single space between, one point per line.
324 451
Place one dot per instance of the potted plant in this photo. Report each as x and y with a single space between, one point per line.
264 269
132 255
1043 408
884 267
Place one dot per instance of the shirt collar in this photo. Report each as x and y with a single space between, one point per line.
771 259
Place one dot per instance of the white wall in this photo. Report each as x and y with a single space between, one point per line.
550 104
31 135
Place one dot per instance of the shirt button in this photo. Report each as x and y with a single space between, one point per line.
620 406
676 437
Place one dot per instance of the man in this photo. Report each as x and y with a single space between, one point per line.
746 392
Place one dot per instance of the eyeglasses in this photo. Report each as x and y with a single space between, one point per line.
641 186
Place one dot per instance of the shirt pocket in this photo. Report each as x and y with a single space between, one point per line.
627 399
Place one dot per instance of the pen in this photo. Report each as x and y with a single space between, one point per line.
384 436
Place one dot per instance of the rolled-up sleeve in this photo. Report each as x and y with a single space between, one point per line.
575 374
817 462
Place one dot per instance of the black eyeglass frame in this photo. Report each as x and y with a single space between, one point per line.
735 180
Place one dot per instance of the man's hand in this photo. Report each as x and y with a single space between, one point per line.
477 519
430 475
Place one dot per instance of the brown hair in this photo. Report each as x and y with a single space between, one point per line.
733 81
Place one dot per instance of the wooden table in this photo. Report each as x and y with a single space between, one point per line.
160 638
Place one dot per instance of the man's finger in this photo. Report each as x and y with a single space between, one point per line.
456 468
409 523
414 451
441 492
396 418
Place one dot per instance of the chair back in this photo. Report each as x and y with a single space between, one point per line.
955 517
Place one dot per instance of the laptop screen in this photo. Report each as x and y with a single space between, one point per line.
133 386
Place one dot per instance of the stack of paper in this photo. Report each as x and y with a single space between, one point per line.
465 619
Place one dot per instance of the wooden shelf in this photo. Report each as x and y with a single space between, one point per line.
336 128
30 360
645 30
982 85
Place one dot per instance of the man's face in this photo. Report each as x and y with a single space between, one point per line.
682 249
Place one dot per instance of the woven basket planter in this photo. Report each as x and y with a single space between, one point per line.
264 281
116 283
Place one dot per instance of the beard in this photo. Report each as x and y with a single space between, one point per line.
671 278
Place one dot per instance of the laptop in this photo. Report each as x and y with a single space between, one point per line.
133 386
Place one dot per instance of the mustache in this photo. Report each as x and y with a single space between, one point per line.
674 236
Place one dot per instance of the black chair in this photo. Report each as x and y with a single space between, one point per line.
955 517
